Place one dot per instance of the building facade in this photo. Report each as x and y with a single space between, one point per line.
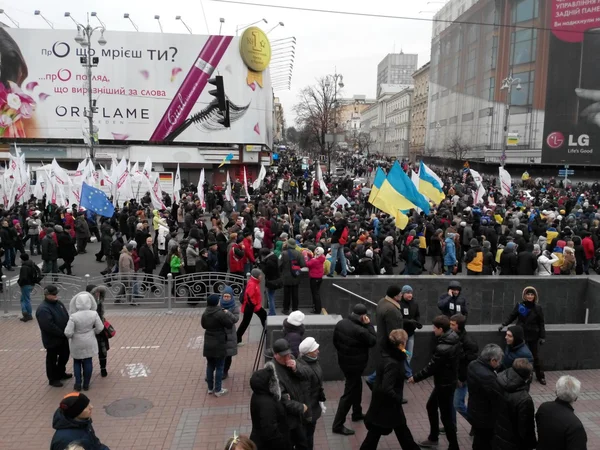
418 118
396 68
477 45
397 124
278 121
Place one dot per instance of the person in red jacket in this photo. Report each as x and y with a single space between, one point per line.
252 303
237 257
248 251
588 249
315 273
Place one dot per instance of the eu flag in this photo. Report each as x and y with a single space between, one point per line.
95 200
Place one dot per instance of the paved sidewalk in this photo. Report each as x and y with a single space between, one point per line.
158 357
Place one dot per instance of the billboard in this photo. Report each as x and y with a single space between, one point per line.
572 120
146 87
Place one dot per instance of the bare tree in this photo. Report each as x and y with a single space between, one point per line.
429 151
457 149
315 115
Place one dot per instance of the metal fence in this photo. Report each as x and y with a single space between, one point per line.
132 289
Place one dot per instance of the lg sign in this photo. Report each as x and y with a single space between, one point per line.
557 139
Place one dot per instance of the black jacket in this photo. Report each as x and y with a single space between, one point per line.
216 321
385 411
530 316
352 339
52 319
526 263
469 350
148 258
449 305
270 267
269 421
366 266
140 238
411 316
508 263
489 262
484 394
49 248
388 317
314 385
559 428
66 246
443 365
339 228
26 274
294 394
8 237
515 424
387 259
73 430
294 334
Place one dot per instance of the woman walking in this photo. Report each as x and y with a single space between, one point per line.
99 293
252 304
83 323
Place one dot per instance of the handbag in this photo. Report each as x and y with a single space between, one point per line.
109 330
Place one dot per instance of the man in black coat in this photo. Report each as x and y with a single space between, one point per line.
295 398
352 338
52 317
468 353
526 261
453 302
148 259
411 318
484 395
558 426
443 367
515 424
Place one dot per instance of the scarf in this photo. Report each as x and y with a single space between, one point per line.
228 305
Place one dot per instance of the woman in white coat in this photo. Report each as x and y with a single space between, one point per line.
84 323
545 262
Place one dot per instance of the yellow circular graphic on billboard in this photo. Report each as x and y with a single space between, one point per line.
255 49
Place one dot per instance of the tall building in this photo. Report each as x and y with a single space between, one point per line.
418 120
397 69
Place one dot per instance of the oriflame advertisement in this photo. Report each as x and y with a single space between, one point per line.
572 120
145 87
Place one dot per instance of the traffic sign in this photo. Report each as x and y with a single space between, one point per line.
563 172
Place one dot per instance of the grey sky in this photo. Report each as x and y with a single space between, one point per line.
325 42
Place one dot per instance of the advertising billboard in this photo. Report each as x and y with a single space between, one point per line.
146 87
572 120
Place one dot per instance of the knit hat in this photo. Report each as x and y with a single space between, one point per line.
319 251
393 291
359 309
73 404
406 289
389 239
519 233
308 345
283 236
213 300
291 243
518 334
296 318
256 273
487 244
473 242
369 253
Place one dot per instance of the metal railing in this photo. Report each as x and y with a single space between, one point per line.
131 288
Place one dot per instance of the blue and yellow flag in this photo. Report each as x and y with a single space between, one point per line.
379 179
226 159
404 185
430 184
388 199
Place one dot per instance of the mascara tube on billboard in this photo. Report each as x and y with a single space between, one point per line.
192 86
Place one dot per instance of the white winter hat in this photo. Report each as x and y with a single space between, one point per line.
319 251
308 345
296 318
369 253
519 233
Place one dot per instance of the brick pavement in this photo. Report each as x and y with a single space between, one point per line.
158 357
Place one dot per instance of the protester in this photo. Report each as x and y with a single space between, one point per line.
309 357
252 303
315 273
99 294
293 331
352 338
228 303
411 317
453 301
291 264
515 347
26 281
269 264
469 351
52 318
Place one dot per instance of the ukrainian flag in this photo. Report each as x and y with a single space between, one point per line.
379 179
430 184
404 185
388 199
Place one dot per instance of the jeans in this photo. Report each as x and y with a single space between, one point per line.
460 405
441 399
351 398
26 299
315 286
214 373
56 361
271 299
86 365
410 345
338 249
9 256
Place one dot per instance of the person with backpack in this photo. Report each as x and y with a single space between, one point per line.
29 275
291 263
339 238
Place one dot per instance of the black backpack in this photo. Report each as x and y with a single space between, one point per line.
38 276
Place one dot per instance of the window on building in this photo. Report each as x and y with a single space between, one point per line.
467 117
494 51
525 10
487 90
453 120
523 45
471 63
472 33
523 97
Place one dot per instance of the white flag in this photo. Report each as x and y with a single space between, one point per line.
478 196
505 182
156 194
246 184
322 184
476 177
201 190
147 168
261 177
177 186
123 187
228 194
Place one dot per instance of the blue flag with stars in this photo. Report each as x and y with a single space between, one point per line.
95 200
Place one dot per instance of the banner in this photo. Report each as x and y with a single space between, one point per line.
572 119
505 182
145 87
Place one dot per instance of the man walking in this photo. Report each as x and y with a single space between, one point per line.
50 252
484 395
352 338
26 282
468 353
411 317
82 233
443 367
52 317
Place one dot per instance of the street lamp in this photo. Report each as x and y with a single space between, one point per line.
95 14
126 16
84 38
222 20
37 12
338 81
241 27
184 24
157 17
507 85
280 24
14 22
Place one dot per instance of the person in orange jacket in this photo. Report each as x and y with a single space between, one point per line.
252 303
